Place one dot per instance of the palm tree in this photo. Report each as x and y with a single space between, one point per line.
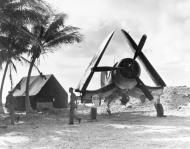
49 35
16 15
12 49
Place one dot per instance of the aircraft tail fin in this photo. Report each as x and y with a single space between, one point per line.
105 78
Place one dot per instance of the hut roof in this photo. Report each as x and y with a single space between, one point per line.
36 83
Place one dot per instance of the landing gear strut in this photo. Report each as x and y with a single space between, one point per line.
158 106
159 110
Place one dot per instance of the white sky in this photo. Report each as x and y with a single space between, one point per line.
166 23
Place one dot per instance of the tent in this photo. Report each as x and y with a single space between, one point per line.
42 88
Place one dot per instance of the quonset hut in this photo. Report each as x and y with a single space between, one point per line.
41 89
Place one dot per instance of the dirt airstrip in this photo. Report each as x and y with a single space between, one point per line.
132 127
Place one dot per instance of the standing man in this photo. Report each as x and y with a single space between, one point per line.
11 106
73 105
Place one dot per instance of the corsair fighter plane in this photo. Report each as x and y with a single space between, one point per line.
123 79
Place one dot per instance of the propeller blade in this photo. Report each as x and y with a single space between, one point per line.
141 43
150 69
83 84
140 46
131 42
135 56
144 89
104 68
107 68
152 72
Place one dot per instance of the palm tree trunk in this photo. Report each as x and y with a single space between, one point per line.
2 85
11 77
27 99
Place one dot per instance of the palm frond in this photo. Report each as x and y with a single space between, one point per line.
22 12
58 33
68 29
3 2
66 39
38 5
13 5
4 18
38 31
14 45
3 56
28 62
11 62
27 16
12 51
4 41
46 32
8 28
54 26
25 60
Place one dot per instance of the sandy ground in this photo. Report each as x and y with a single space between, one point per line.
134 127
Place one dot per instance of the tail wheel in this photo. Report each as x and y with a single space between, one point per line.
124 100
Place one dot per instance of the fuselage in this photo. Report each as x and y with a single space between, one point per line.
123 74
116 81
121 82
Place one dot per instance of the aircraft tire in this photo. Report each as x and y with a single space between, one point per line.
159 110
109 111
93 113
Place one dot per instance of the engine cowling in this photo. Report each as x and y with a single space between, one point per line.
124 78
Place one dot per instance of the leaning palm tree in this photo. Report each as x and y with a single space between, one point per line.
15 16
49 35
10 51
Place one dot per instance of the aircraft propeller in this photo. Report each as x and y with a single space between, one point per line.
138 53
129 68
